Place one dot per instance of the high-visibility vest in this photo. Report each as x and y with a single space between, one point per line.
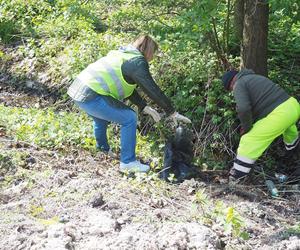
105 75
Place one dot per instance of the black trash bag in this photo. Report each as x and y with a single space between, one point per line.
178 156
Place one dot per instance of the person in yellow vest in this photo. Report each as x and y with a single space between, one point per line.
100 89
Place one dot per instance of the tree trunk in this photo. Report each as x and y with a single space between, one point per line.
255 34
239 13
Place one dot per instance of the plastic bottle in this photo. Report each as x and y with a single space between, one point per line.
281 177
271 187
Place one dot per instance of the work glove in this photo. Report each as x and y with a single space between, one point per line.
176 117
150 111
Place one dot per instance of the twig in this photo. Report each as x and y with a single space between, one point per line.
289 191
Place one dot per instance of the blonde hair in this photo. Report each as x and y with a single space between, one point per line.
146 45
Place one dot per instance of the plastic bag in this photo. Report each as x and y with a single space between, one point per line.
178 156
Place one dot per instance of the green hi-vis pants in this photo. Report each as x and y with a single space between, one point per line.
281 121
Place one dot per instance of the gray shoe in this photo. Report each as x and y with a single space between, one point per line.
134 166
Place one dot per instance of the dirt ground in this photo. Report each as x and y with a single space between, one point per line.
54 200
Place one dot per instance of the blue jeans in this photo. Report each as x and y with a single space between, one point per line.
103 112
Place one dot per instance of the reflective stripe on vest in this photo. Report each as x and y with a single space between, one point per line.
105 75
100 80
115 78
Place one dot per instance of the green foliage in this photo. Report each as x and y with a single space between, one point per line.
289 9
284 46
46 18
36 211
10 160
295 230
59 130
201 197
7 29
218 214
18 17
6 164
59 37
231 221
48 128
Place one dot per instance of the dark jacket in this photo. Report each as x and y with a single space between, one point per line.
134 71
256 96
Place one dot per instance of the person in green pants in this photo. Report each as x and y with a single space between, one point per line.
265 111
